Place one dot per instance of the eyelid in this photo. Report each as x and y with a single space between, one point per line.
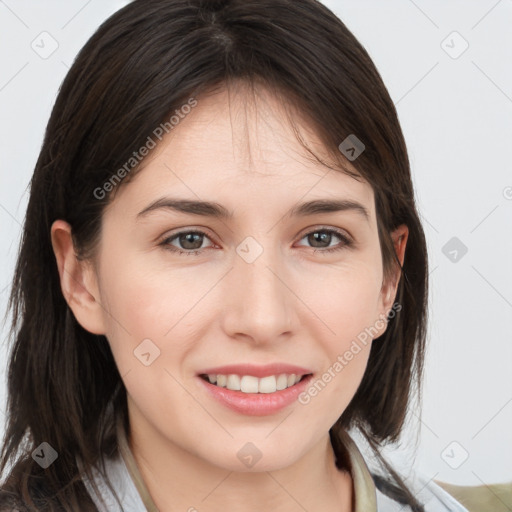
187 229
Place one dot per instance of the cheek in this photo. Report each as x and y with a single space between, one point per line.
145 312
345 360
345 298
330 393
347 304
151 340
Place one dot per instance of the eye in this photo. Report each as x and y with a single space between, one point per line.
190 241
324 236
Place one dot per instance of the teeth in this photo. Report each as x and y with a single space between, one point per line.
282 382
233 382
250 384
268 385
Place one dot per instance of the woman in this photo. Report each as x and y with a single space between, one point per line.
245 135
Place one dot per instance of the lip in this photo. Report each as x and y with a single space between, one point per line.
255 404
255 370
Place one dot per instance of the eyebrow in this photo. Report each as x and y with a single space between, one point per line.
216 210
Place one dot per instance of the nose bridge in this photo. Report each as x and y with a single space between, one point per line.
261 302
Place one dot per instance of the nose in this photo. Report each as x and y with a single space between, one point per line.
260 304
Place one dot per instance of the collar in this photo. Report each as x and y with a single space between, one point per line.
363 485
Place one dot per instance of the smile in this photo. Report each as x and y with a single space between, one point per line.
251 384
254 396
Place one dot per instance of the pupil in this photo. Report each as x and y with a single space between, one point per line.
319 236
189 238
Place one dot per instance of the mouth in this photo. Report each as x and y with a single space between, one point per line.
250 384
255 390
255 396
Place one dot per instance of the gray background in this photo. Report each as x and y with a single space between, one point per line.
455 107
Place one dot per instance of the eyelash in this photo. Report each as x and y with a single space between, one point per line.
345 241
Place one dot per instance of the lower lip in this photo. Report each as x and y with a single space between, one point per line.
256 404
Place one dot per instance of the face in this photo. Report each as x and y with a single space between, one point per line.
270 291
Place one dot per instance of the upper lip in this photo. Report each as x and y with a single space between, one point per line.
256 370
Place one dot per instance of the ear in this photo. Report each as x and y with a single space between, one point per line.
78 280
389 288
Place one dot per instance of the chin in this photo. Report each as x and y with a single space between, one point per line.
257 456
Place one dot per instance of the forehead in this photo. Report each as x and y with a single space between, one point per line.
237 147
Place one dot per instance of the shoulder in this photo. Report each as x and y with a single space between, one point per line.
481 497
425 490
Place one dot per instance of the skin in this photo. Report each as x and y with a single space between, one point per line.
290 305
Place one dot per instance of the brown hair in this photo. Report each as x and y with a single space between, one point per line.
143 63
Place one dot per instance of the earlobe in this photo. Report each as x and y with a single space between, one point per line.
77 279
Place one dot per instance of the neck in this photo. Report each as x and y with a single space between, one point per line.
180 480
